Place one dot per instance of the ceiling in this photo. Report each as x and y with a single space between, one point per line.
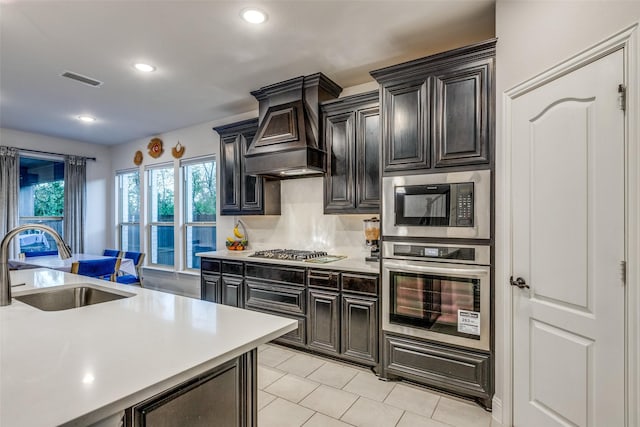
207 58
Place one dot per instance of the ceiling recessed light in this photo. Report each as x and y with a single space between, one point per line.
253 16
86 119
145 68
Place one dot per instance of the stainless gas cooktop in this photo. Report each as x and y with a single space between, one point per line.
292 254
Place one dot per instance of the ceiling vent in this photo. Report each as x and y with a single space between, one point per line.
82 79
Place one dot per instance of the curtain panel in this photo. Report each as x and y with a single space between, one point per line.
9 188
75 198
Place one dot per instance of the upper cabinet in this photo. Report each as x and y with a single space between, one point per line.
352 141
242 194
438 111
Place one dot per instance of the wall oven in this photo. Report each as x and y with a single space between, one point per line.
454 204
439 292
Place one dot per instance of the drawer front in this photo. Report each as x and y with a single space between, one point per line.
288 275
283 299
323 279
209 265
360 283
456 370
234 268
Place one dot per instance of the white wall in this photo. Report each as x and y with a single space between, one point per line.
99 183
533 36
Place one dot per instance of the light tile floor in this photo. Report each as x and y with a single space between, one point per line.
297 389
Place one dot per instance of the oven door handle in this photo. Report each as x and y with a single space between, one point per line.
439 270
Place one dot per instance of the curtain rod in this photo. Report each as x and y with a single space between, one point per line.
54 154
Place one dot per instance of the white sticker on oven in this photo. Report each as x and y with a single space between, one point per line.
469 322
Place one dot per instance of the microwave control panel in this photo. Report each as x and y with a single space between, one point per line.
464 205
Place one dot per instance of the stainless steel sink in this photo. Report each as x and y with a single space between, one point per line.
67 298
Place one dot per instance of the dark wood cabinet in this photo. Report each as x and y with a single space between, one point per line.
406 125
343 315
324 321
232 291
453 369
359 340
337 311
210 287
461 114
226 396
438 111
242 194
210 280
352 140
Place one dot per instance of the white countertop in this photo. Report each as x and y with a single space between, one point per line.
353 262
82 365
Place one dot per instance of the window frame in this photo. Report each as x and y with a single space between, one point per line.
150 223
120 223
185 195
31 219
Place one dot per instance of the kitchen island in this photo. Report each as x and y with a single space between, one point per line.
89 364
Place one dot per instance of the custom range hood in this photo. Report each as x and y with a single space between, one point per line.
288 143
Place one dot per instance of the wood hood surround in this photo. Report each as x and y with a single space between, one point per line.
288 142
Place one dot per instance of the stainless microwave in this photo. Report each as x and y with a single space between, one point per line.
455 204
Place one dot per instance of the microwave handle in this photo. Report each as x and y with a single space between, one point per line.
441 270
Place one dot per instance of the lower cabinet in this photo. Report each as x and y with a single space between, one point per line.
343 315
324 324
232 291
210 287
456 370
359 335
337 311
226 396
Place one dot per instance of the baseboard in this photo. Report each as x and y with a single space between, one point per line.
496 412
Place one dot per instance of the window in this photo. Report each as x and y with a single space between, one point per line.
199 208
128 184
161 214
41 201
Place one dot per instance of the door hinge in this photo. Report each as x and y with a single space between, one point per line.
622 97
623 272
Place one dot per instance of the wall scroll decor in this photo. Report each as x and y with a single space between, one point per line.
137 158
155 147
178 150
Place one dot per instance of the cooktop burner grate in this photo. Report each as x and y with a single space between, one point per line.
293 254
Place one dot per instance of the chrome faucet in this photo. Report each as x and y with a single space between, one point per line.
5 279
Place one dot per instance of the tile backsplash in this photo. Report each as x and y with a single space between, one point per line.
302 223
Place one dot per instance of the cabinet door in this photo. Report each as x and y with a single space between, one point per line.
210 288
232 291
359 341
230 151
251 194
323 321
339 180
223 397
368 160
405 128
462 115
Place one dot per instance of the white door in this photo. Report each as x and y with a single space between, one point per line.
567 209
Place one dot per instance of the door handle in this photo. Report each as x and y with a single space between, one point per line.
519 282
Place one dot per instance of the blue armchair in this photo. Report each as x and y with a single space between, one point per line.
111 252
105 269
130 279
